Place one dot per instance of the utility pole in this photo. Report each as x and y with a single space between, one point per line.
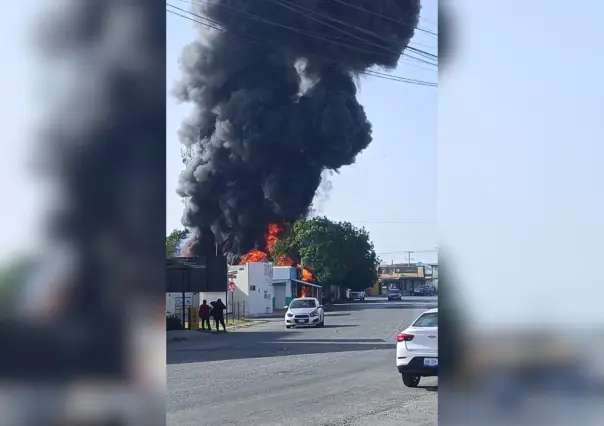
408 257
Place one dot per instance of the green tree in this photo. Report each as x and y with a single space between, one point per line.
336 252
173 240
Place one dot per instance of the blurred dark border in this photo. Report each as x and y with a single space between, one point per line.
107 152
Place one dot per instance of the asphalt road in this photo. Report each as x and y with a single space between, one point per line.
342 374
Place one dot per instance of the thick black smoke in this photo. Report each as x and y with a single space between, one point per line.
275 105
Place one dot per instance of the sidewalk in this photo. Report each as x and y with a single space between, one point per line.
194 335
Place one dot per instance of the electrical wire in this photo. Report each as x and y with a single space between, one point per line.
427 57
216 26
371 12
324 15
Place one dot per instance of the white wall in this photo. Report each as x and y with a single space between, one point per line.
259 276
260 282
284 273
174 302
240 295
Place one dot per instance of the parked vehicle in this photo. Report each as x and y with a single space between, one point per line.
395 294
424 290
304 312
356 295
417 349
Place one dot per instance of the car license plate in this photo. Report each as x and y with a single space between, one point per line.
301 321
431 362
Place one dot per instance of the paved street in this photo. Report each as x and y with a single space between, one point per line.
342 374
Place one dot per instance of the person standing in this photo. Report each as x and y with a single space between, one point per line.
204 315
218 308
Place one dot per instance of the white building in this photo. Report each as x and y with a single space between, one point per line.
286 286
253 293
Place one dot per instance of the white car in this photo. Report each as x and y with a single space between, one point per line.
417 349
356 295
304 312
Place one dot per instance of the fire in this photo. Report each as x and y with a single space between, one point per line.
254 255
304 291
271 238
306 275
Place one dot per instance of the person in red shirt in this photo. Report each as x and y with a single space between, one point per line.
204 315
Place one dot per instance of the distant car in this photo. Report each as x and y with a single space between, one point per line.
417 349
304 312
356 295
424 290
394 294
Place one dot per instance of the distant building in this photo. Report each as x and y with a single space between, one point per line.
431 273
406 276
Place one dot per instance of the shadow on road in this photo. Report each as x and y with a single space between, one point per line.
235 346
334 326
433 388
338 340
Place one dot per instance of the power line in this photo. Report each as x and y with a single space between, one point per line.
216 26
394 222
371 12
409 251
300 9
287 27
323 14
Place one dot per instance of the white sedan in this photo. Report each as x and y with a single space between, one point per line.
417 349
303 312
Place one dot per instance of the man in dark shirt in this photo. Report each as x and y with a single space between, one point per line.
218 313
204 315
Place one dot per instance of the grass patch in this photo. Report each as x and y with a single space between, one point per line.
240 322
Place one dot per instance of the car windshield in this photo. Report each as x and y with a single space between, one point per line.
394 291
427 320
301 304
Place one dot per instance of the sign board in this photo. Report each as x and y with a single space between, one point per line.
232 286
178 300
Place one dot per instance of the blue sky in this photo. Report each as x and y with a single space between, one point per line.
393 181
520 160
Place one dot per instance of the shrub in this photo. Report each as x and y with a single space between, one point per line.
173 322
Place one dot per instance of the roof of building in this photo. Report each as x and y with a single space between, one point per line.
183 263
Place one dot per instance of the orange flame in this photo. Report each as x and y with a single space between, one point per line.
304 291
254 255
273 232
306 275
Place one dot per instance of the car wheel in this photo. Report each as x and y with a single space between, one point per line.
288 326
411 380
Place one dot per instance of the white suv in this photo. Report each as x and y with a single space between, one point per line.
417 349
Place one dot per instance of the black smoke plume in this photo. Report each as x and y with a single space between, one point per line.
274 95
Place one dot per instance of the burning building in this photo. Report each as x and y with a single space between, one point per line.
274 105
